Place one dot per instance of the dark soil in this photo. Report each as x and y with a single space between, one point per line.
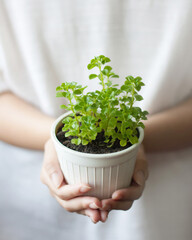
97 146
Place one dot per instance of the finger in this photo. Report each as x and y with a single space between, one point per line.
141 168
79 203
51 165
93 214
104 215
65 191
110 204
128 194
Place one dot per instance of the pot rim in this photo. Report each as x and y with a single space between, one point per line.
90 155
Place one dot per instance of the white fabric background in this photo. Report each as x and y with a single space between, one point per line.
43 43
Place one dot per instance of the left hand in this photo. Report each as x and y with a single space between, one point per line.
123 199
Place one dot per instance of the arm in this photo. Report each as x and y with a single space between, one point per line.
21 124
167 130
170 129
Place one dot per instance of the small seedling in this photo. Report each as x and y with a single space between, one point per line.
110 110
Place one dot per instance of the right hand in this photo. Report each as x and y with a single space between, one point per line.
69 196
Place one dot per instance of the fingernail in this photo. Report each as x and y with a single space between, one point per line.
93 206
117 196
85 189
56 180
104 216
140 178
93 220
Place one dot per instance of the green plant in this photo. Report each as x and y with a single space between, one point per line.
110 109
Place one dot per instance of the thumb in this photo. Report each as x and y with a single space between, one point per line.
141 168
51 165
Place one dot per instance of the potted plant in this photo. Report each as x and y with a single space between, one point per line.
97 139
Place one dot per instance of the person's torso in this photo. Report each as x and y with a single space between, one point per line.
45 43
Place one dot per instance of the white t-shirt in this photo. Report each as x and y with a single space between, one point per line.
44 43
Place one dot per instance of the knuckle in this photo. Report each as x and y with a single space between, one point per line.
61 195
84 205
86 202
50 168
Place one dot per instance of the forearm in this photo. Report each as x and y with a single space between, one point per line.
169 130
21 124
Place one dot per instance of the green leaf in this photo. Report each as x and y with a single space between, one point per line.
133 139
92 76
138 97
145 112
140 124
130 78
76 141
67 120
107 60
78 107
123 87
59 88
112 122
108 68
63 94
85 142
59 94
115 102
63 85
138 79
127 88
129 132
63 106
123 143
90 66
138 88
105 72
67 134
115 76
78 92
108 84
100 56
65 128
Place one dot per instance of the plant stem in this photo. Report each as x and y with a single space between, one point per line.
72 108
102 79
132 99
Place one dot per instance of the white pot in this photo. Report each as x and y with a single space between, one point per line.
104 172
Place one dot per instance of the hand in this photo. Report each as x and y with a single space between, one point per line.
123 199
69 196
